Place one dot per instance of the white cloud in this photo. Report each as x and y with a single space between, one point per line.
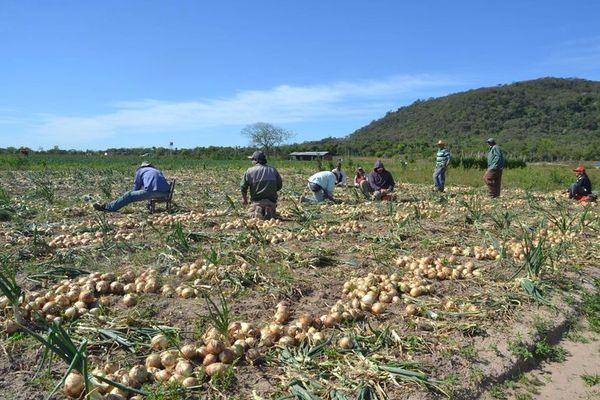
280 105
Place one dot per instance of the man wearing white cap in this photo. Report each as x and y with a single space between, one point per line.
149 183
264 182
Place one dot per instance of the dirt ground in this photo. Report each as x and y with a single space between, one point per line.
444 336
563 380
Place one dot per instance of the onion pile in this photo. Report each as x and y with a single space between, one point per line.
134 377
479 252
14 238
440 269
250 223
192 216
72 298
203 272
192 360
85 238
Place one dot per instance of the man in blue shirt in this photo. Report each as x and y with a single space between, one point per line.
322 184
149 183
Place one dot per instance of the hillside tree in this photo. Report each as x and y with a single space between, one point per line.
266 136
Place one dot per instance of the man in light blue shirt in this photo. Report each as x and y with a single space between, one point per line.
149 183
322 184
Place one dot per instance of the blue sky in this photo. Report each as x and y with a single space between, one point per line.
113 73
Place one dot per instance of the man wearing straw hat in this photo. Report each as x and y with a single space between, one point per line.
442 160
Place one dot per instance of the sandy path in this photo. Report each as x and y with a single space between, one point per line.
564 379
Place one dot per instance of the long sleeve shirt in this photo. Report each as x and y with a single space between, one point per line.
442 158
495 158
326 180
263 181
151 180
340 175
584 185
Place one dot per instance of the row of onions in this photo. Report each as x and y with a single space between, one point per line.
191 363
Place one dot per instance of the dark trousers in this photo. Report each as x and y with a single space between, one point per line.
492 179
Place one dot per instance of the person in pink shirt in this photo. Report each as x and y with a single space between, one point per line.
359 176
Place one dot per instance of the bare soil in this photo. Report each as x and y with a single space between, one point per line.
463 352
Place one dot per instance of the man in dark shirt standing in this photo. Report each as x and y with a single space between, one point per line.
493 175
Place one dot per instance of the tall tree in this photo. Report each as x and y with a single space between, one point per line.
266 136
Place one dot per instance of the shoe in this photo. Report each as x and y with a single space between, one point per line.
259 213
99 207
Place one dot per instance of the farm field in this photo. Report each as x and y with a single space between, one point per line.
430 296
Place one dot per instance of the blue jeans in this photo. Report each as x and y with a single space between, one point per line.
439 178
318 192
134 195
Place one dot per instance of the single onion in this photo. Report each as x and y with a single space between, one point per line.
50 308
116 287
226 356
378 308
237 349
128 381
215 368
411 310
184 368
328 321
202 351
153 360
253 356
117 393
214 346
188 351
345 343
189 382
102 287
159 342
138 373
71 312
74 385
168 359
130 300
210 359
87 296
162 376
187 292
286 341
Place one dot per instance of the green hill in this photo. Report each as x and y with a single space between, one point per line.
543 119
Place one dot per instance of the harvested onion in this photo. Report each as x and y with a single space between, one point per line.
74 385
